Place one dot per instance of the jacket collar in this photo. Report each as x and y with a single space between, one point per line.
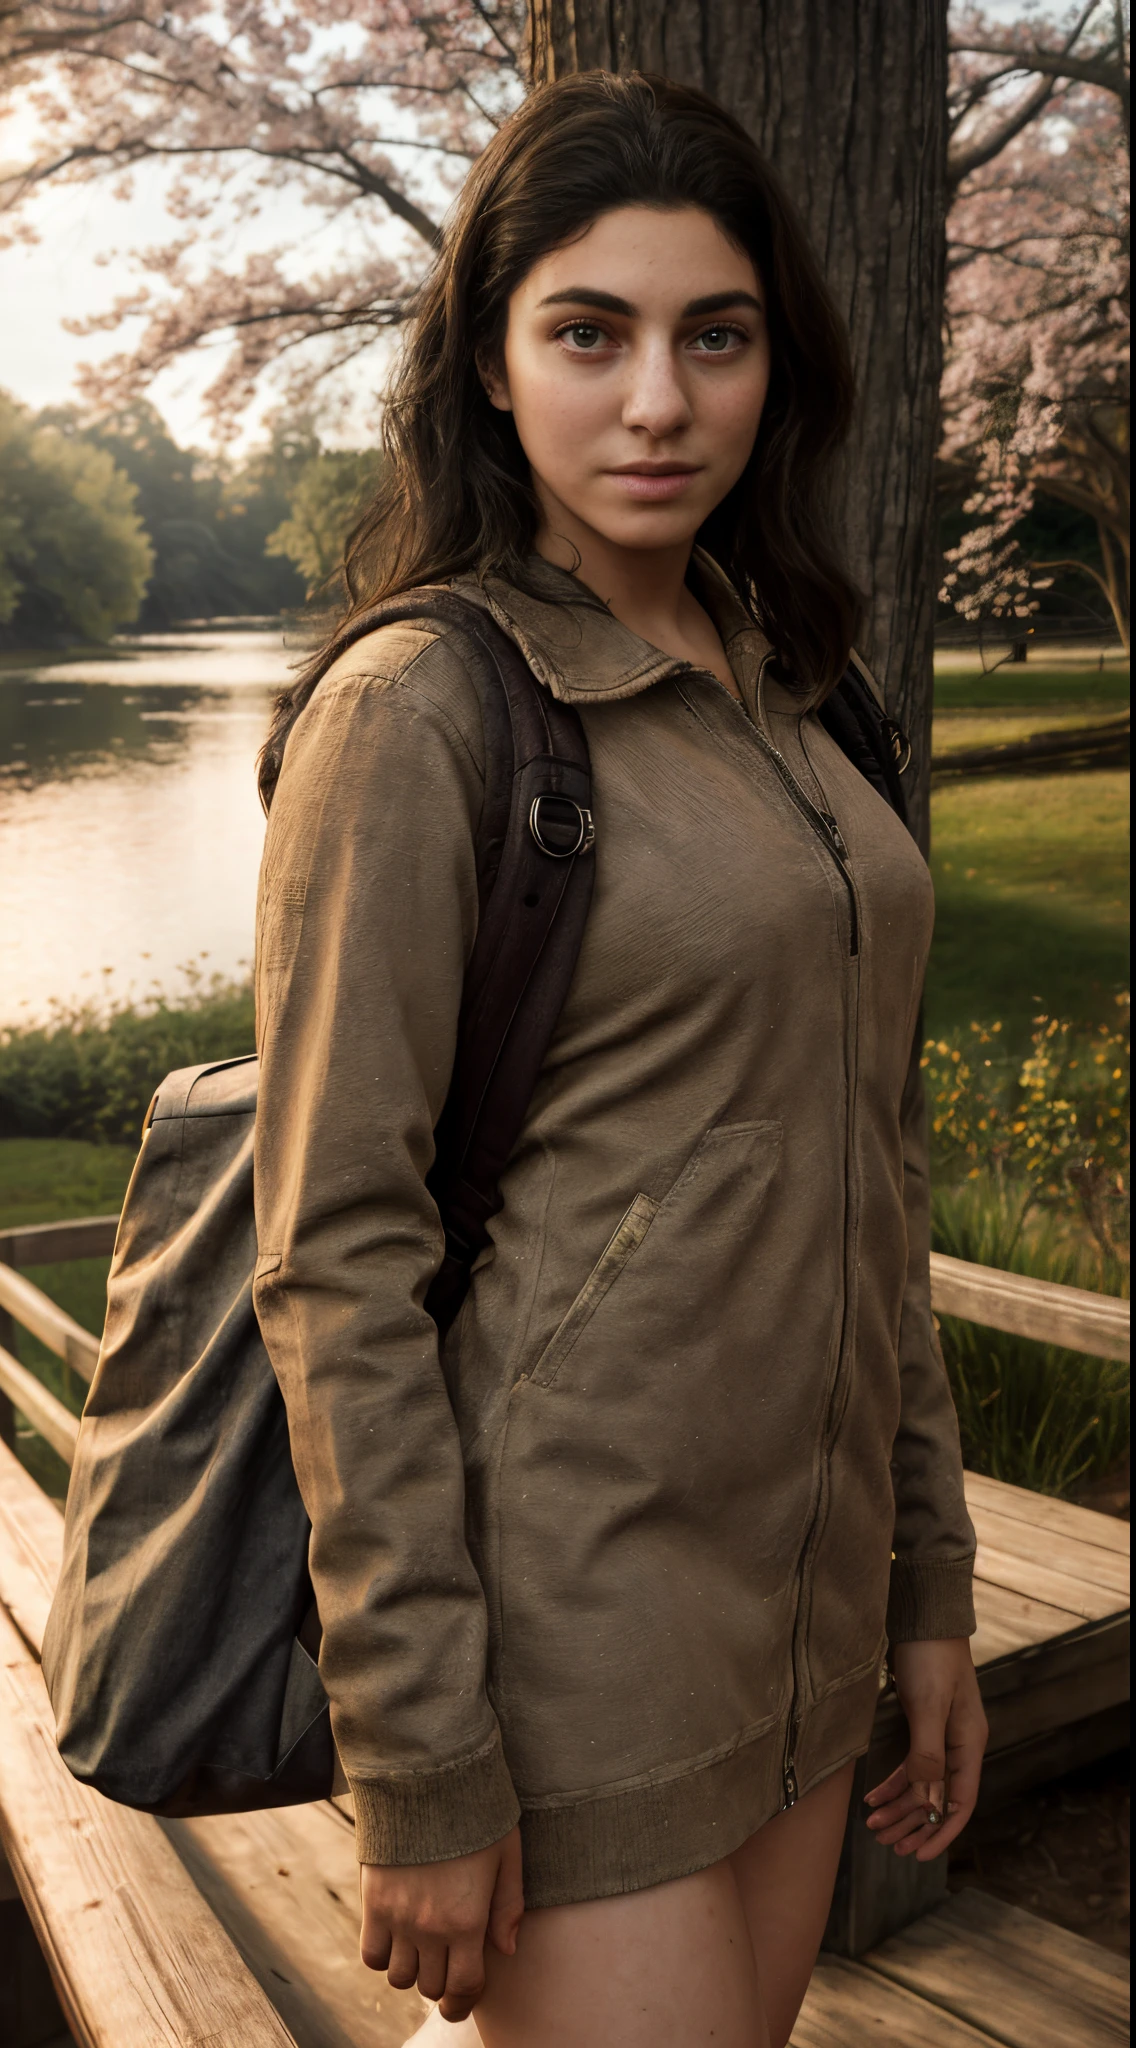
580 651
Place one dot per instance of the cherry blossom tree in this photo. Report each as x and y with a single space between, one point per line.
350 125
1036 382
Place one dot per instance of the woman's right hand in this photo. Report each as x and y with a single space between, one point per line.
426 1923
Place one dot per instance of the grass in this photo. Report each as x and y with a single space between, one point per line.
1034 1414
1031 871
49 1180
1088 690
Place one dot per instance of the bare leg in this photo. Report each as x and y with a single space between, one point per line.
669 1967
785 1875
674 1966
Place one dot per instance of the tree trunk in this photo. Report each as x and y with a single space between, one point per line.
848 100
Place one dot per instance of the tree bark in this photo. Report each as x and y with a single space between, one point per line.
848 100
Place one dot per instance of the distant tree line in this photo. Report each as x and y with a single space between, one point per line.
110 524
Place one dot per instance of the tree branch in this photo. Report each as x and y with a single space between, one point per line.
960 162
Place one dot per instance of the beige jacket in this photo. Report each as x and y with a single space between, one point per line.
620 1561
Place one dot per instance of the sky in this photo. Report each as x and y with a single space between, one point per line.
79 264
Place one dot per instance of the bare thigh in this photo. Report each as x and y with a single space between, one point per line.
785 1876
669 1967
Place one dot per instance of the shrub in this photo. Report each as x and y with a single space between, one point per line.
1055 1128
91 1073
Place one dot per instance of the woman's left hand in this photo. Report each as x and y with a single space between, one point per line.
927 1802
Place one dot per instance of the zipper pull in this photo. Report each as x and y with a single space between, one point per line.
835 834
789 1783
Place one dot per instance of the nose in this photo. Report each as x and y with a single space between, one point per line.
655 401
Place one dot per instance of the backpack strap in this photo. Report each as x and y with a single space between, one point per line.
856 719
535 876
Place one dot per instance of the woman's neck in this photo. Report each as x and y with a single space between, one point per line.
645 589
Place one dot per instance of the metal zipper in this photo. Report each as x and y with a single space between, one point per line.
823 823
828 831
789 1788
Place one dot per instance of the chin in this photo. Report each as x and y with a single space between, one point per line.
650 527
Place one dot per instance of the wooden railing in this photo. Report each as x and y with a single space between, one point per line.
1042 1309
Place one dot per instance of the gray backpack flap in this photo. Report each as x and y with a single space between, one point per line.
172 1653
185 1531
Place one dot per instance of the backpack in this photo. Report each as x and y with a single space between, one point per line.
179 1649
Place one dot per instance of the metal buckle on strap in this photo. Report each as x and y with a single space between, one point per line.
899 743
561 826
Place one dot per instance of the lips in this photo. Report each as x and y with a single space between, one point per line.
653 483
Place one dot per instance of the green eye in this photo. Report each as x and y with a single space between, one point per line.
716 339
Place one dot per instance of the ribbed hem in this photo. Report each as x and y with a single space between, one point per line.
427 1816
649 1833
930 1599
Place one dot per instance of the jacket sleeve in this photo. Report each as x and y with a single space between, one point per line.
366 918
933 1559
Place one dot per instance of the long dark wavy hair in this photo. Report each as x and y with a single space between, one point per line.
456 495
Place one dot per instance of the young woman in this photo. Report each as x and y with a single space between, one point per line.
606 1587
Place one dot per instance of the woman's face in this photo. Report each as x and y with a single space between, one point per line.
636 364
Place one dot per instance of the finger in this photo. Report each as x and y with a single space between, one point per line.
939 1839
910 1801
508 1902
402 1969
432 1962
374 1943
889 1789
961 1802
911 1823
465 1980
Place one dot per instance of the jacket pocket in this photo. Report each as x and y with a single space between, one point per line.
625 1239
705 1166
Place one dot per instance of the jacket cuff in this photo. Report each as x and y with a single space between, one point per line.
930 1599
428 1816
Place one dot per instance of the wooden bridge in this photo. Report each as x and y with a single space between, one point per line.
121 1931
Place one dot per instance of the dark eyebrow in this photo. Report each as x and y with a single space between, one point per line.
607 302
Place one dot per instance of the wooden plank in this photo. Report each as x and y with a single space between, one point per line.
1075 1317
1092 1562
47 1244
1041 1511
1070 1746
31 1548
848 2006
42 1410
1017 1574
1100 1975
137 1958
285 1885
1095 1647
1023 1981
47 1321
1022 1619
1055 1702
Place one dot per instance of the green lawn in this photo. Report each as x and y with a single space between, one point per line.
1026 688
1031 871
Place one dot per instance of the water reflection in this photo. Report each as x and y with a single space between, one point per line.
130 831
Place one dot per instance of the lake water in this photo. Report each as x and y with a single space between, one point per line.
130 830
